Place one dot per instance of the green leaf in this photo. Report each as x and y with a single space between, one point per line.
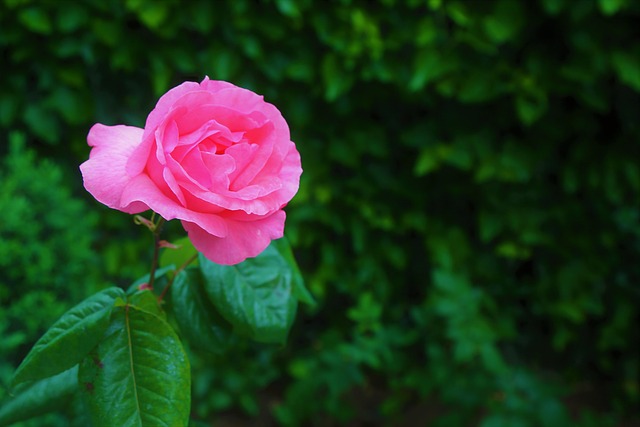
147 301
161 76
531 108
255 296
429 65
505 21
153 14
40 397
288 8
427 161
611 7
627 65
299 289
553 7
197 318
138 375
336 80
70 339
42 122
35 19
459 14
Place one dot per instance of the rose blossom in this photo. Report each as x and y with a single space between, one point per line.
215 156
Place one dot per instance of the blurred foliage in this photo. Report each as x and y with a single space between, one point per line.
469 215
46 260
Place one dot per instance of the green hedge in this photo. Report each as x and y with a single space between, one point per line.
469 212
46 258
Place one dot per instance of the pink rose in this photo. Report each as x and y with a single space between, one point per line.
215 156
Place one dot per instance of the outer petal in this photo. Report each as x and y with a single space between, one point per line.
104 174
245 239
143 190
215 85
290 169
166 103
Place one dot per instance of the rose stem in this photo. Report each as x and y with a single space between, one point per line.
156 250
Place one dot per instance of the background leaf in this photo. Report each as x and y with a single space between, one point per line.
627 65
39 397
138 375
69 340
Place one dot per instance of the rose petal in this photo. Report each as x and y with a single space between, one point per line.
214 85
167 138
183 177
289 174
193 168
163 179
245 239
142 189
104 174
248 166
166 103
138 159
246 102
173 185
230 200
233 120
211 130
219 167
239 99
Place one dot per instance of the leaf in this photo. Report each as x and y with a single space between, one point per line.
153 14
70 339
40 397
627 66
429 65
336 81
138 375
146 301
197 318
36 19
288 8
42 122
299 289
161 76
505 21
553 7
255 296
427 161
459 14
530 108
611 7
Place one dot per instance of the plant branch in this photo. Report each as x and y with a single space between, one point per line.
156 250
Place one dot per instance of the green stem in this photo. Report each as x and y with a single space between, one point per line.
156 250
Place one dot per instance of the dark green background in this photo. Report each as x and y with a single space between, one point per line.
468 217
